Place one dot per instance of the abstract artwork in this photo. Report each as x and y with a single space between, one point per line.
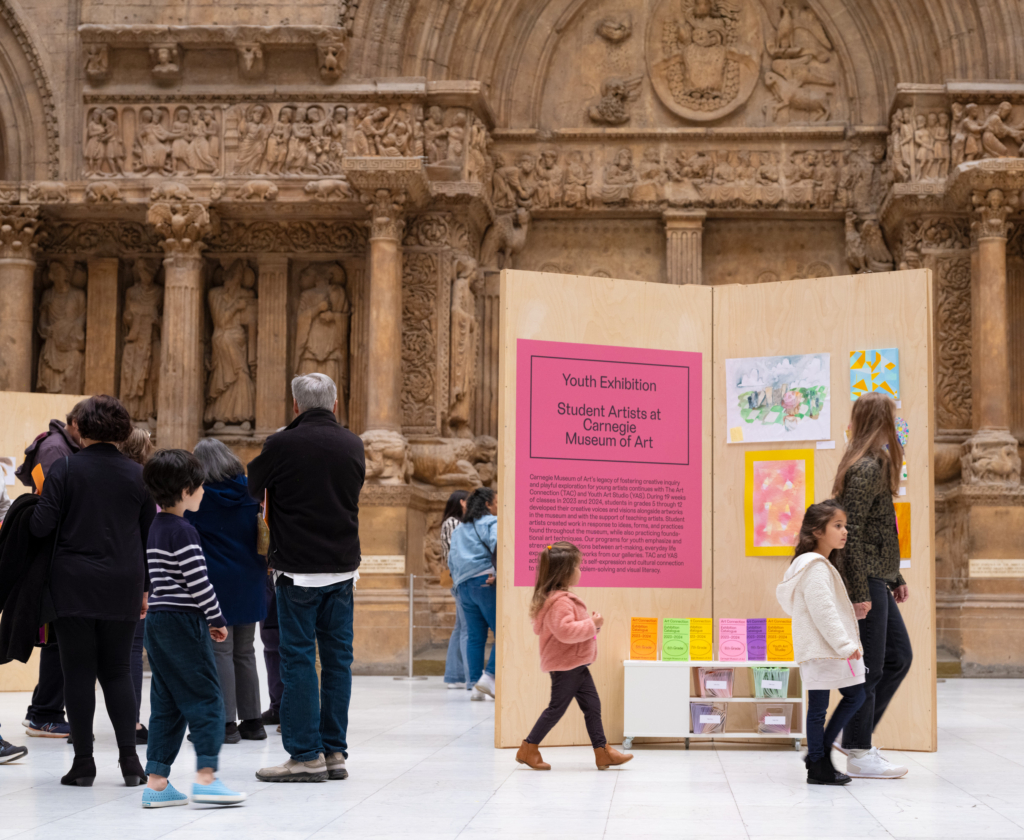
778 398
875 370
779 487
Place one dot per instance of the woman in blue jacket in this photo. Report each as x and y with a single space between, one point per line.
471 562
226 522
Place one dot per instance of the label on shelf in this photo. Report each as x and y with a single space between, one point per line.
776 684
710 718
775 720
716 684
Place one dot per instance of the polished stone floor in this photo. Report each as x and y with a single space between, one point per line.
423 766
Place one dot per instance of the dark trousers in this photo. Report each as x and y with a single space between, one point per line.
819 735
183 688
47 704
566 685
137 645
887 658
314 718
92 649
271 638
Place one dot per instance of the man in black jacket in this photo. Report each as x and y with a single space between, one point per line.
313 472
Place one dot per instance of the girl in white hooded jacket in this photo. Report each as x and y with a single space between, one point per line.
825 635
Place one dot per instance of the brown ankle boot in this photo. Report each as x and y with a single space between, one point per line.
607 756
529 755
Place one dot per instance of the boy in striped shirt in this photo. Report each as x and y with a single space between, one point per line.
183 616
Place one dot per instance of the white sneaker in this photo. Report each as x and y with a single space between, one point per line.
477 695
871 765
486 684
453 686
838 745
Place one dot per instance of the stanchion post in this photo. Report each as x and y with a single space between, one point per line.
412 616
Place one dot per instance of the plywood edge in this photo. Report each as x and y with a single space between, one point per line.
929 386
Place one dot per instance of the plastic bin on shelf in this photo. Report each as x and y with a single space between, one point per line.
715 682
775 719
771 682
708 718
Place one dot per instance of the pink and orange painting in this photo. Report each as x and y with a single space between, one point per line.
779 488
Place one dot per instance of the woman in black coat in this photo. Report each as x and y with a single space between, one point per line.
96 502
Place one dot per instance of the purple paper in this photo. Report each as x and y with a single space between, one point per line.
757 639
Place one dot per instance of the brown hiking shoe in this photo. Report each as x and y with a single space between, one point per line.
296 771
529 754
607 756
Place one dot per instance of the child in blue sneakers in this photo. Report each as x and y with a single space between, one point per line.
183 616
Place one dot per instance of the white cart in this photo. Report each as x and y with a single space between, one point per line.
658 696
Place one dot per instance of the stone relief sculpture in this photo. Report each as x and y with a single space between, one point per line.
388 457
504 239
254 127
990 458
230 390
619 178
61 327
704 56
463 346
332 55
322 328
866 250
140 359
104 148
250 60
616 93
97 62
804 68
616 30
165 62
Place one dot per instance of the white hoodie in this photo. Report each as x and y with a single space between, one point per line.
825 633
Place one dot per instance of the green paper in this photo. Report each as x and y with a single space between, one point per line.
675 639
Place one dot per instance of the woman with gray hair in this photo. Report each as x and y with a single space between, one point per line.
226 522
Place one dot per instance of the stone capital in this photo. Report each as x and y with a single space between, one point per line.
19 231
990 210
684 219
181 226
387 208
990 457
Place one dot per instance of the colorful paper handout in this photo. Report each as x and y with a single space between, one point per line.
902 431
780 639
903 527
875 370
779 488
675 639
757 639
778 398
643 638
732 639
701 640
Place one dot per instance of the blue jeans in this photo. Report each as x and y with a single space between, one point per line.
184 688
312 721
456 664
480 610
820 737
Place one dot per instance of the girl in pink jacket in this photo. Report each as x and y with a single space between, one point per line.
568 644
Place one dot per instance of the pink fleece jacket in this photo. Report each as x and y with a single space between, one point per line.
568 637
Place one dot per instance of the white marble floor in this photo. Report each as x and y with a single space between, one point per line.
423 766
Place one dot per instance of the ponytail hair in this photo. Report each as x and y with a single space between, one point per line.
872 433
554 571
816 520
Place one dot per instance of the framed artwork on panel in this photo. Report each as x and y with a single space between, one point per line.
779 487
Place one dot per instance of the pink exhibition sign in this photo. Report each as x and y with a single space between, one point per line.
608 456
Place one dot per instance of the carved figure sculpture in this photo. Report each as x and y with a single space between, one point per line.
181 134
140 359
579 177
53 192
446 463
995 130
476 163
388 458
95 146
925 142
97 62
866 250
616 92
463 346
990 457
457 137
102 192
170 191
62 328
619 178
164 58
230 391
203 154
253 130
332 55
182 222
941 153
151 146
258 190
650 184
329 188
250 60
549 177
368 130
615 31
322 328
791 96
504 239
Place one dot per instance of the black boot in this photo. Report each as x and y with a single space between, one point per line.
252 730
131 769
821 772
841 778
82 772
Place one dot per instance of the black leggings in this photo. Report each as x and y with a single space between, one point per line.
92 649
565 685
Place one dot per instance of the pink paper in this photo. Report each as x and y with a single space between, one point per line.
608 456
732 639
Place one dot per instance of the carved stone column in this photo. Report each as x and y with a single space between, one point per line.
101 322
272 345
684 236
19 225
990 455
180 402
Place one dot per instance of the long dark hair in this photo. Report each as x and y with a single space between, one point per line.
476 504
872 433
815 522
554 571
453 507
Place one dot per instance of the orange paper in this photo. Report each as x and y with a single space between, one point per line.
780 640
643 638
37 477
903 528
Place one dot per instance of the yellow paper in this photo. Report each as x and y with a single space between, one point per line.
903 528
780 640
643 638
701 640
779 487
736 434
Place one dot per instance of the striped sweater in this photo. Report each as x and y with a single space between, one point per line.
177 570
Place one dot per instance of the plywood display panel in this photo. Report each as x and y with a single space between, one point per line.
834 315
23 416
587 310
20 676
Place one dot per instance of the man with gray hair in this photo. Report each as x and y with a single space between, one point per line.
312 472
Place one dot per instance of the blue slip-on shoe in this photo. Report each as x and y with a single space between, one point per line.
165 798
216 793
